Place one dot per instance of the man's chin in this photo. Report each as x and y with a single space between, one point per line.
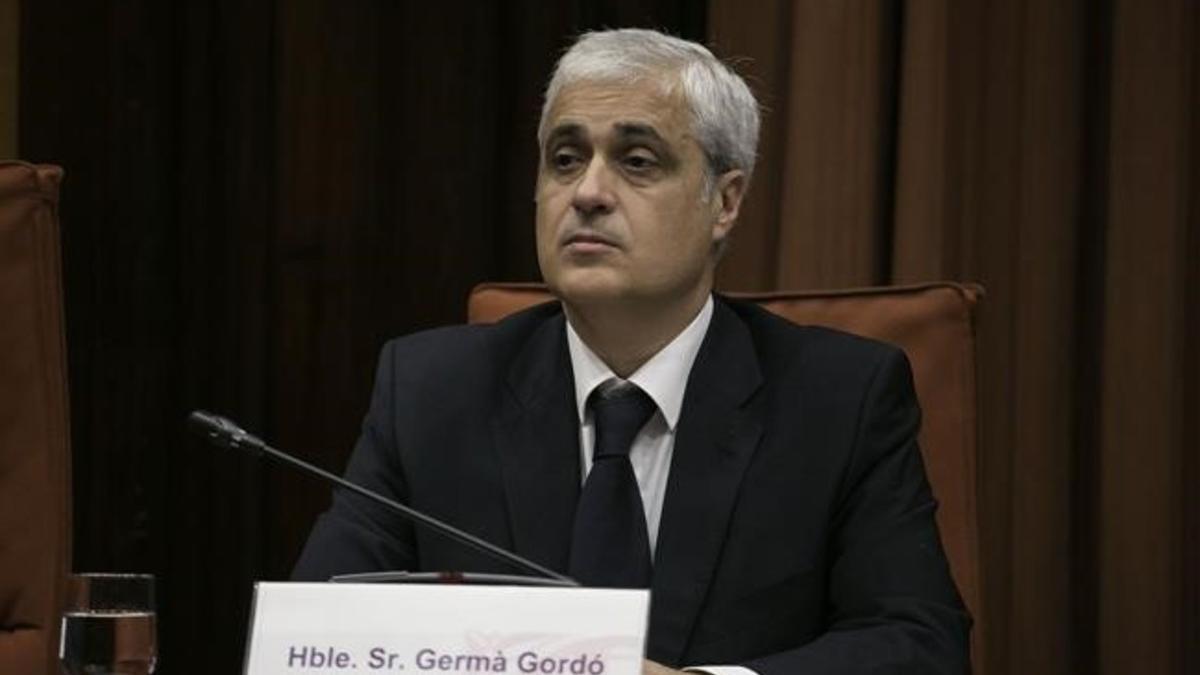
584 290
590 296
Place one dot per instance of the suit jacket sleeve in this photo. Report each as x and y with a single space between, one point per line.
355 534
892 605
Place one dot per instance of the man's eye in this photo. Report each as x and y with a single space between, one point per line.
565 160
640 161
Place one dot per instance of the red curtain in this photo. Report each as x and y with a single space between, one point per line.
1048 149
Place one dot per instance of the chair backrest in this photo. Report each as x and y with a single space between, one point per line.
934 325
35 502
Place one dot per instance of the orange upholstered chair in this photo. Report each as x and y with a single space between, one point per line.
35 503
933 324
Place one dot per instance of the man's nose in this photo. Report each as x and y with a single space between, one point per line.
594 192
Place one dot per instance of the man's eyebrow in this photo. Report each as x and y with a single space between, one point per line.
570 131
639 130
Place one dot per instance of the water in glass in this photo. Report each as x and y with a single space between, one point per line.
109 626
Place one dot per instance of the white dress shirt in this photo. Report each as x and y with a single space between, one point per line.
664 378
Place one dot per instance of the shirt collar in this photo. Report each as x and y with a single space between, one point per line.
664 377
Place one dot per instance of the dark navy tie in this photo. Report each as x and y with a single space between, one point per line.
609 546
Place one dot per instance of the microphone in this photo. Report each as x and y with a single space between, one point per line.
223 432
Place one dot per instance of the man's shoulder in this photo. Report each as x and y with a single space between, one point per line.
474 347
780 341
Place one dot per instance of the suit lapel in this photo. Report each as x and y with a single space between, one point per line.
717 434
536 434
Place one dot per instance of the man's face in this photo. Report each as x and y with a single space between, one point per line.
622 213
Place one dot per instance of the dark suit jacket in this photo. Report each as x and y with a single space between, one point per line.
798 532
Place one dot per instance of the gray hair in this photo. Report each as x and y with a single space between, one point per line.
725 117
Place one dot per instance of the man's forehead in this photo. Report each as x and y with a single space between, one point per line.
628 108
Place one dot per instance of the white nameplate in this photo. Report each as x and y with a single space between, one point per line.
302 628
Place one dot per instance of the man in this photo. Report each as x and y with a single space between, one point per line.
772 496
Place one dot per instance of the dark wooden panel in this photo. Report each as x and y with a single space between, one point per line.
258 194
1189 620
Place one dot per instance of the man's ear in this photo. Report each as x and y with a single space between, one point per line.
727 194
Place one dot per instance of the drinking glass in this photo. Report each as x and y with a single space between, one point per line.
108 626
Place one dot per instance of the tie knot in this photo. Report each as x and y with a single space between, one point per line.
620 410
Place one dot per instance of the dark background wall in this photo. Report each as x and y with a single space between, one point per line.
9 54
258 195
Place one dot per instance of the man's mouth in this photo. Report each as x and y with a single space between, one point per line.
589 242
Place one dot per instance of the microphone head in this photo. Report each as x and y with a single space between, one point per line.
219 430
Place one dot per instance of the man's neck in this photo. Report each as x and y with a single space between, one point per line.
625 336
